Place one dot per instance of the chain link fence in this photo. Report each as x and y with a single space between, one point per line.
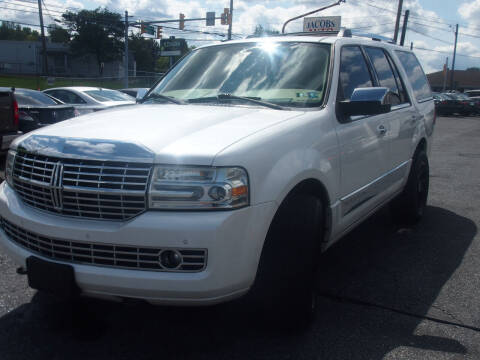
43 82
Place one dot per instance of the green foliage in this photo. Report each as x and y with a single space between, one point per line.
145 52
11 31
58 34
473 69
99 32
162 64
261 31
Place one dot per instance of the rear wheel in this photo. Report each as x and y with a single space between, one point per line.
409 207
284 288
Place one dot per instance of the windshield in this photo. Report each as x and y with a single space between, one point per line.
284 73
105 95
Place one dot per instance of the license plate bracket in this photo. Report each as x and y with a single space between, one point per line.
56 279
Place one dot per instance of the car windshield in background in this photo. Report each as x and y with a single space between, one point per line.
105 95
283 73
33 98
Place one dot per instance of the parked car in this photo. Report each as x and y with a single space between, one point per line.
134 91
90 98
465 105
228 183
36 110
444 105
472 93
8 118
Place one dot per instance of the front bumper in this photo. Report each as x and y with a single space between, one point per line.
234 240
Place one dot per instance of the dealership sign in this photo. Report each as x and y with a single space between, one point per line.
326 23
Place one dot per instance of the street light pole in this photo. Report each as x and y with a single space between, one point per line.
231 21
44 43
126 50
397 22
452 74
404 29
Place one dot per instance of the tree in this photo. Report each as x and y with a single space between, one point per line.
12 31
58 34
99 32
261 31
145 52
473 69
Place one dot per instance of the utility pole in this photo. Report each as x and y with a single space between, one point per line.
126 50
404 29
452 74
230 21
397 23
44 42
445 75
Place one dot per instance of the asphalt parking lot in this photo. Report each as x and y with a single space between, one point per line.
385 293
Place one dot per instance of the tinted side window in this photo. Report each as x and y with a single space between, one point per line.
384 73
354 72
400 84
421 88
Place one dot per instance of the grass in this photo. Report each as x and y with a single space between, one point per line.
40 83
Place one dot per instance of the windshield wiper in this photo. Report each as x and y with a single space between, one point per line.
255 100
164 97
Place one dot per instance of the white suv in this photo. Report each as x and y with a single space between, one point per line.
244 163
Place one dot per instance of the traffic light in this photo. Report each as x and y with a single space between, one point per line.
147 29
181 24
159 32
225 17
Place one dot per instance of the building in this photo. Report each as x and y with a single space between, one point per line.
25 57
463 80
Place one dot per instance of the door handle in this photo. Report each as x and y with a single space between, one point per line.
382 130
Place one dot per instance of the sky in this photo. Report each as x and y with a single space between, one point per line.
431 25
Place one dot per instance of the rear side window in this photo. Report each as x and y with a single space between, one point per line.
32 98
384 72
387 74
421 88
354 72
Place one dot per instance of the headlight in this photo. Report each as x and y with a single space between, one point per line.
197 188
9 167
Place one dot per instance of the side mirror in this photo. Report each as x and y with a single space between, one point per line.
140 94
367 101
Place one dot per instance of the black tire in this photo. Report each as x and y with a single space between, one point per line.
409 207
284 291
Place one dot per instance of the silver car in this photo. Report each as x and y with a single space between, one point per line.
90 96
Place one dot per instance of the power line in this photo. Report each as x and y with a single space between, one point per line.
445 52
431 37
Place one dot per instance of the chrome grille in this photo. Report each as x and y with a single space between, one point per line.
110 255
83 188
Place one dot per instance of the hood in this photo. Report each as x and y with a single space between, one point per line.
175 134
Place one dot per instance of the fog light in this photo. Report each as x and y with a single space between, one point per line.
170 259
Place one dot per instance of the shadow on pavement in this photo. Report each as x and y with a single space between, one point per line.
399 268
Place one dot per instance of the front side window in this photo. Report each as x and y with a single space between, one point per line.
354 72
285 73
421 88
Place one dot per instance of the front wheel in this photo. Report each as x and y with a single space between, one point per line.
284 287
409 207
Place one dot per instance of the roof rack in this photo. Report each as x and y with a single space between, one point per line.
344 32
